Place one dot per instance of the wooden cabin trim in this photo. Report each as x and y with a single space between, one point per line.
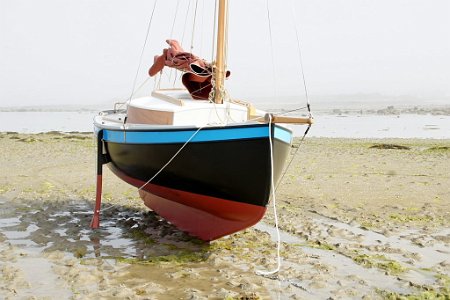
167 98
146 116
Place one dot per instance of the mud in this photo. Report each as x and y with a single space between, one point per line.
356 222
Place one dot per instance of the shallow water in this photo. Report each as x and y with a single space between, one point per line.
343 268
379 126
49 226
138 252
42 121
35 233
345 126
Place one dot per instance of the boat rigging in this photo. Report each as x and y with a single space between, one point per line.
207 164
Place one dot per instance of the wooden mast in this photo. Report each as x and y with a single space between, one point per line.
220 55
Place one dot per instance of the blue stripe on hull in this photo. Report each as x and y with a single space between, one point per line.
204 135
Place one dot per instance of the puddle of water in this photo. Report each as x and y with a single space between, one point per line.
42 229
39 285
343 267
8 222
430 256
32 231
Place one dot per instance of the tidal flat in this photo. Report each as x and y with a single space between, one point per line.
359 219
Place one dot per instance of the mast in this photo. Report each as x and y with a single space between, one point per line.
220 55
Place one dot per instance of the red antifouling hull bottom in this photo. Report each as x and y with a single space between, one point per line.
206 219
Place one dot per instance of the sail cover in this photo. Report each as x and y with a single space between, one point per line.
197 72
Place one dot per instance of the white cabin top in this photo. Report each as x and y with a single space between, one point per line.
176 107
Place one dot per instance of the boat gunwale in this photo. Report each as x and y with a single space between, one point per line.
193 131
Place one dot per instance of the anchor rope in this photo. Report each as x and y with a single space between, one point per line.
272 187
308 106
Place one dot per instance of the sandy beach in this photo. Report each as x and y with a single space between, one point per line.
359 219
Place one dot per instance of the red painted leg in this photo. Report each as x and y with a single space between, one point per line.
95 223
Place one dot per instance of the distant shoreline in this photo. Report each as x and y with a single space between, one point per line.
385 123
435 110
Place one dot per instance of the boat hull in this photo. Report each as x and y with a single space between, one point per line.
217 184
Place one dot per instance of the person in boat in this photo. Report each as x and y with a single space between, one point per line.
197 72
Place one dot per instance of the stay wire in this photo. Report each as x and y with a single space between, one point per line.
274 78
294 17
308 105
171 37
185 22
201 26
142 53
163 167
293 156
171 159
174 19
193 25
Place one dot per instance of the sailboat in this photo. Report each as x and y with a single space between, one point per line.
204 162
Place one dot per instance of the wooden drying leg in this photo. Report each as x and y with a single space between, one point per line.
95 223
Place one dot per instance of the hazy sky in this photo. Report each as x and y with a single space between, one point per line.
87 51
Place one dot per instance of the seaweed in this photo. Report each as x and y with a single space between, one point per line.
389 146
439 149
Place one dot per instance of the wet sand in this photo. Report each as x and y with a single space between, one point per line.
359 219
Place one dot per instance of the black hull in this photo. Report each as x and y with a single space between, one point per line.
209 183
237 170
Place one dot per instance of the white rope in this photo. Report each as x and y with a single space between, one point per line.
171 159
261 272
272 187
